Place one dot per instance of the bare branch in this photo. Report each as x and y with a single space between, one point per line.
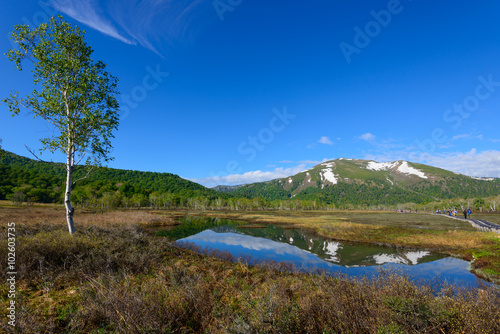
80 160
33 153
83 178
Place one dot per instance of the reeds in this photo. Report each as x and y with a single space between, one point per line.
115 278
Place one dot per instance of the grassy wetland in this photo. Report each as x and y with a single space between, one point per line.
114 276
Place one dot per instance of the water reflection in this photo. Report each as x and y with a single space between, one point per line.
347 255
308 251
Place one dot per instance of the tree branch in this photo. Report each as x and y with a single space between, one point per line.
33 153
83 178
80 160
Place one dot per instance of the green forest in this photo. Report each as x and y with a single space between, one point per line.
27 181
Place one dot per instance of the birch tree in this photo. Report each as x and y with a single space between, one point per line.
72 92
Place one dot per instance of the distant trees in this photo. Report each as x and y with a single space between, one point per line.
26 180
479 203
77 96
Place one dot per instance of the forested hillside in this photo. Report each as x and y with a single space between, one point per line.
27 179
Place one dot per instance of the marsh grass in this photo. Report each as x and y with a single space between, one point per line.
406 230
115 278
493 217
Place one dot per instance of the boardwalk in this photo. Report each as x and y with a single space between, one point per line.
484 225
480 224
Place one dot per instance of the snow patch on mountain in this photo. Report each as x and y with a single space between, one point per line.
329 176
377 166
483 178
406 169
402 167
327 173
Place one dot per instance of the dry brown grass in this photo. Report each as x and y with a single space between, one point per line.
43 217
114 278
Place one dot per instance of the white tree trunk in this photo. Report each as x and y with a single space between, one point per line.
67 194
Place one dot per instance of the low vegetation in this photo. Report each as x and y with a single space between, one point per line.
409 230
113 277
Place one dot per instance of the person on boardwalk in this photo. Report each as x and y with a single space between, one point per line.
465 214
469 212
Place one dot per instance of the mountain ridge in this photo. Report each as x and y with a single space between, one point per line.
335 180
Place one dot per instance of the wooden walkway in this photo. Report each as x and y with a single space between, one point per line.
480 224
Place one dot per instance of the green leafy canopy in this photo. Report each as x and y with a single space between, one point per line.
72 92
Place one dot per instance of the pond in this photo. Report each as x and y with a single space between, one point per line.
310 252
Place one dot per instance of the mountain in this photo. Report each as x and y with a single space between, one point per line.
368 182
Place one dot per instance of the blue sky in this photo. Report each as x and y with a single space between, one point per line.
237 91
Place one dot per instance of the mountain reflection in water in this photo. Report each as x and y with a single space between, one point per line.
310 252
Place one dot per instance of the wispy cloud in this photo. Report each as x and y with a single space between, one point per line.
325 140
367 137
155 25
467 136
250 177
85 11
313 162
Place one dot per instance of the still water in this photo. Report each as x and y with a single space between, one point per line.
309 252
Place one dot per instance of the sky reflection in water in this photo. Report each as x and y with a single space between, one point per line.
335 257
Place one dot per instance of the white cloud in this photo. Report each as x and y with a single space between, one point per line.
461 136
85 11
250 177
325 140
367 137
467 136
472 163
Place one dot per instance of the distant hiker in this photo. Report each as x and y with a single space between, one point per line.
469 212
465 214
